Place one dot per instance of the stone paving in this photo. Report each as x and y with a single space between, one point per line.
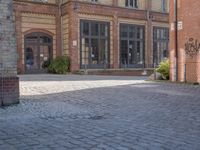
101 113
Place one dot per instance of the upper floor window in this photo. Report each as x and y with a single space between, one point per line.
160 6
164 5
131 3
94 0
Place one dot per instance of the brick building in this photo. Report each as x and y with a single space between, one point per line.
9 82
96 34
184 41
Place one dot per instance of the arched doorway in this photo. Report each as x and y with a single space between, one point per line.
38 51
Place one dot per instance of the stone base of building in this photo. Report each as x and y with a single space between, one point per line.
9 91
119 72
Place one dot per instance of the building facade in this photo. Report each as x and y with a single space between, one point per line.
184 41
9 82
95 34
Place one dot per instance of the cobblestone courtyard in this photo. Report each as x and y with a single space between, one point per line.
101 113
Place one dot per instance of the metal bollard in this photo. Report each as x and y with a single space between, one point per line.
1 83
154 68
185 73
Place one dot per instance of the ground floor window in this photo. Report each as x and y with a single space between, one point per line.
94 44
160 44
132 40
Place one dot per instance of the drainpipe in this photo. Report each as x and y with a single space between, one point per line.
176 35
61 26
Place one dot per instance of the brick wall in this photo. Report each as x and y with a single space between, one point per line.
9 83
9 90
115 16
188 41
34 16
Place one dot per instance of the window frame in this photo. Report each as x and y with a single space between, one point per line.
135 4
143 40
99 37
164 6
160 40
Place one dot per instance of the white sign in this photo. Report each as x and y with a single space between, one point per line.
172 26
180 25
74 43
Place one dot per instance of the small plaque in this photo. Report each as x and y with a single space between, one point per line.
74 43
172 26
180 25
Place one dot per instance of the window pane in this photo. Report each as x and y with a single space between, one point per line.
132 53
33 39
44 39
139 33
126 3
166 36
94 29
131 3
94 51
103 51
124 54
103 30
86 29
136 3
85 51
124 31
132 32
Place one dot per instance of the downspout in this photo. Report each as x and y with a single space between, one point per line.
176 36
61 26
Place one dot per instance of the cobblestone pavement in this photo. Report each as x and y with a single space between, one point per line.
101 113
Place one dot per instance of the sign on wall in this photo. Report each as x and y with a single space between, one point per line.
180 25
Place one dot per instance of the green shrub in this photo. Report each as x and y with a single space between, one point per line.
60 65
163 69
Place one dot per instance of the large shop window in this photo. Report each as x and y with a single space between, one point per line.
94 44
160 44
132 40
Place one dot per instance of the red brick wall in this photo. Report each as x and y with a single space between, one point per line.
35 8
115 13
9 90
189 16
